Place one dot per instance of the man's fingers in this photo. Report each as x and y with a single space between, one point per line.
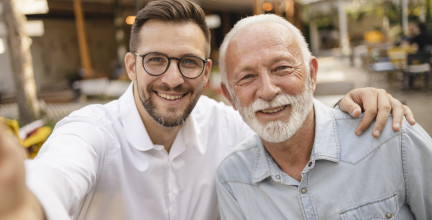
409 115
347 104
397 113
384 109
370 107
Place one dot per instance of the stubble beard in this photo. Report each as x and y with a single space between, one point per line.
173 119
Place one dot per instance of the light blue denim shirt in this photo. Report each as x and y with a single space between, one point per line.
348 176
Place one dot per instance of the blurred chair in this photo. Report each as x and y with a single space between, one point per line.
418 67
382 66
398 57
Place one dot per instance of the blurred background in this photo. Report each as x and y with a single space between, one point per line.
60 55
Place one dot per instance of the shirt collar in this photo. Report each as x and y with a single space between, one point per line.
189 134
261 167
132 124
326 143
326 146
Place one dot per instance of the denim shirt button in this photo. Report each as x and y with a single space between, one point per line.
389 215
303 190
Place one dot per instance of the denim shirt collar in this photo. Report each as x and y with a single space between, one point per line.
326 146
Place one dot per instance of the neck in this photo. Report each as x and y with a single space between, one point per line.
159 134
293 154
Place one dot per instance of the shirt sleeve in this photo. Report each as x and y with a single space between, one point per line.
417 167
228 207
66 167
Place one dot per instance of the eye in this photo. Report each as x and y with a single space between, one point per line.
283 70
248 78
190 62
152 59
156 59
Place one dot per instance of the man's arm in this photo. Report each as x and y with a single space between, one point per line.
16 200
417 168
376 104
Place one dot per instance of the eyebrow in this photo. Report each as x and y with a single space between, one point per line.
285 56
181 55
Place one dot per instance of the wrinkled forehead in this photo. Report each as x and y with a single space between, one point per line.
263 34
265 28
263 38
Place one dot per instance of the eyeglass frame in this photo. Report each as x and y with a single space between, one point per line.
169 63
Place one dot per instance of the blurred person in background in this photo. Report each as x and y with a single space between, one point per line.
153 153
419 36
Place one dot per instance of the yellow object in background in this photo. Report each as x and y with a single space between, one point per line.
34 141
373 36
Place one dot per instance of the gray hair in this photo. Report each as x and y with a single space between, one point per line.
244 23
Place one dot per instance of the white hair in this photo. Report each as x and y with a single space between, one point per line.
268 18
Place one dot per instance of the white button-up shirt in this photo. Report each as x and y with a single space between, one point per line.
99 163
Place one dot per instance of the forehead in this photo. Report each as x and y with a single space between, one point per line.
261 44
264 36
171 38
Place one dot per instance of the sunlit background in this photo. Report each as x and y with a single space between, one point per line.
81 44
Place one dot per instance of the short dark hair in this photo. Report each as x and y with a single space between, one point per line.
178 11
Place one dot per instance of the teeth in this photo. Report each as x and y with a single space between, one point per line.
169 97
270 111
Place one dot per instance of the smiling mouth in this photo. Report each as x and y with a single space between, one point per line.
273 110
169 97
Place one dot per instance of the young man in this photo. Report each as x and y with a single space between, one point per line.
153 153
306 163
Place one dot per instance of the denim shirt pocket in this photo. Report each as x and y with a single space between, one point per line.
383 208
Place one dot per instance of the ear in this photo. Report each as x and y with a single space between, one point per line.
207 71
227 95
130 65
313 65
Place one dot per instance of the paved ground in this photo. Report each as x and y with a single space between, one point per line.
336 69
336 76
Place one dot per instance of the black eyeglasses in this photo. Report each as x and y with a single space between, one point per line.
156 64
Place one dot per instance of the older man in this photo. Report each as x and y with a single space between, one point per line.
306 163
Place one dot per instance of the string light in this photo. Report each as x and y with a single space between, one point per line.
267 6
130 20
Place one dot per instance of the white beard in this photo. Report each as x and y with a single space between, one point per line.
279 131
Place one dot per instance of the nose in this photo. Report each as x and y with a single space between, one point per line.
172 77
267 88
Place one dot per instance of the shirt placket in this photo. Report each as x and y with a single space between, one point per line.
172 192
170 187
304 194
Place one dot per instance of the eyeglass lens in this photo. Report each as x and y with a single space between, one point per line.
156 64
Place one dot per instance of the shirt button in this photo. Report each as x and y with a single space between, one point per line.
310 164
277 177
389 215
303 190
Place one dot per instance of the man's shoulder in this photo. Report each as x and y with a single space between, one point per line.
346 126
92 116
96 111
239 165
355 147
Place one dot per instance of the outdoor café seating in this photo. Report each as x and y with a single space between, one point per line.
418 69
